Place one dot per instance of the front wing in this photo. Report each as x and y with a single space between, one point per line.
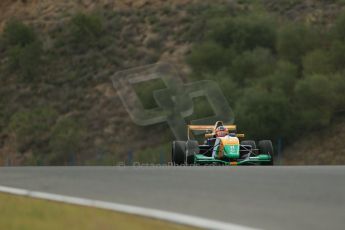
251 160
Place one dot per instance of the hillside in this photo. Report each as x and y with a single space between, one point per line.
323 147
135 34
58 105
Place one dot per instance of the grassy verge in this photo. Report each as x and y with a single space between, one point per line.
26 213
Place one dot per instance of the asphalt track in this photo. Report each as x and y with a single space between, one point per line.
299 197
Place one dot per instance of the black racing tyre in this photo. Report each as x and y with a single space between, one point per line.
249 142
252 144
266 147
190 160
192 148
178 155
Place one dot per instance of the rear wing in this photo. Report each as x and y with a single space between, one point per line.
210 128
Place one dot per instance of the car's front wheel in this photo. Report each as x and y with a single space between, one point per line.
250 143
266 147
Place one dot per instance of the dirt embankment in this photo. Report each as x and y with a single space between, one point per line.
324 147
46 12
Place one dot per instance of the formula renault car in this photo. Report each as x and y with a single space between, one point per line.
224 150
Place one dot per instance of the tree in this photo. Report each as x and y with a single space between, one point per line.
17 33
65 140
243 32
263 114
339 28
317 62
252 65
85 30
23 50
207 57
295 40
315 98
31 127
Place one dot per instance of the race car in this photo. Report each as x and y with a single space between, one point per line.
221 147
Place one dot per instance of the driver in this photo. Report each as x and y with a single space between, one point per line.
221 131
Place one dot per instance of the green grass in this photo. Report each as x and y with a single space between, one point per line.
22 213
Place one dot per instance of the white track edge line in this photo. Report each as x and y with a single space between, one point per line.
173 217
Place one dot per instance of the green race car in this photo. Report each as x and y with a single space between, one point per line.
221 147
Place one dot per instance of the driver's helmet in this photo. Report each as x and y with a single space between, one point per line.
221 131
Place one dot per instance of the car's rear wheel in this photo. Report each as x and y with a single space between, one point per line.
178 155
192 148
266 147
